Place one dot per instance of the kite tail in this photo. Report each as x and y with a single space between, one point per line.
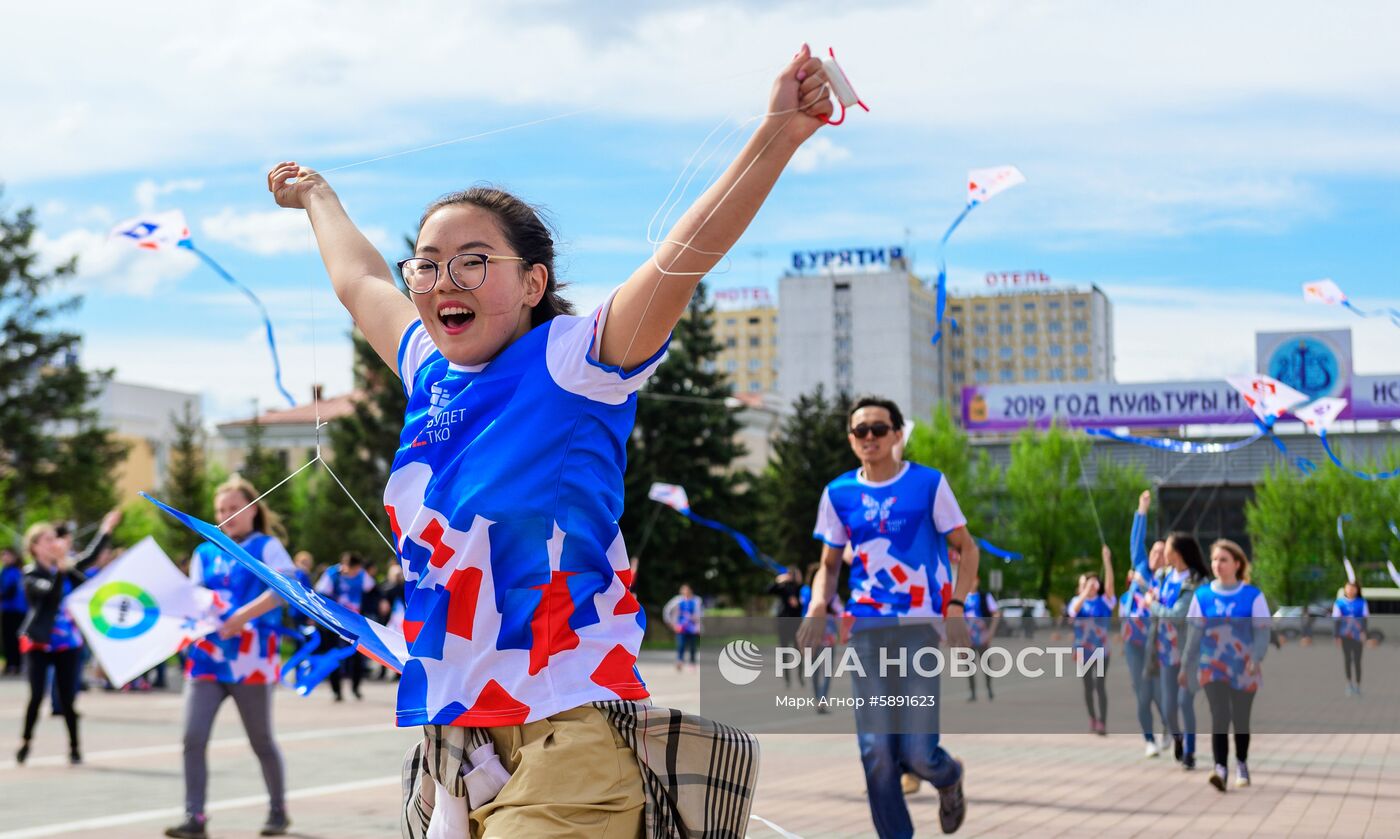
941 291
1365 476
1167 444
267 320
1393 314
1009 556
744 542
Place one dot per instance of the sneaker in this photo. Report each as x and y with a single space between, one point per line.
1101 728
191 828
1241 775
972 698
1356 691
277 824
952 806
1176 747
910 783
1188 762
75 758
1351 689
1217 778
23 754
1151 750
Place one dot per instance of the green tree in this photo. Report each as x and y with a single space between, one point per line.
942 444
261 466
810 450
685 434
53 455
186 485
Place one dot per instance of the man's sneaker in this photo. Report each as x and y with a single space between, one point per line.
1151 750
910 783
1241 775
1176 747
1217 778
277 824
952 806
191 828
1188 762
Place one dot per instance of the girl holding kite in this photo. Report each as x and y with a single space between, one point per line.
506 490
1089 613
241 660
1170 601
1350 614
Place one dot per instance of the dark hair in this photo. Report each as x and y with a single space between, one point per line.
1186 545
896 418
352 559
526 233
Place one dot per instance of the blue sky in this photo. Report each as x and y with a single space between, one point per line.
1197 163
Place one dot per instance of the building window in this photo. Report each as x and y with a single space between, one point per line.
979 329
1007 374
730 321
1031 374
958 354
731 366
1028 328
731 342
708 365
1081 326
958 377
957 310
1028 306
1081 373
1055 326
982 376
1057 374
980 308
755 341
1080 303
1005 352
755 364
1056 350
843 345
1004 329
755 386
1054 304
1029 350
1003 307
1081 349
980 353
754 321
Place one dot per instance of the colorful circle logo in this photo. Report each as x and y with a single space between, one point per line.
1307 365
123 610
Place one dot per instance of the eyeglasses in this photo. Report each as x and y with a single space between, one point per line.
466 270
879 429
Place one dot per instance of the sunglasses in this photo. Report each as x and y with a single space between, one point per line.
879 429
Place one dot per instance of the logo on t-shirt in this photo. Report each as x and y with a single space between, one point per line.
437 399
879 509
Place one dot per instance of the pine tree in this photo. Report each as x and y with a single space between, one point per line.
186 484
52 452
810 450
685 434
261 467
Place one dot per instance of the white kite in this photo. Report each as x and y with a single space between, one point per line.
1266 396
1325 292
982 184
1319 414
139 611
671 495
154 232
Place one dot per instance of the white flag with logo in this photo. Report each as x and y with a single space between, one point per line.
139 611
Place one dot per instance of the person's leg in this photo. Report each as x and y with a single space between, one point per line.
985 675
356 663
879 745
1134 658
202 701
67 665
694 647
1087 681
1346 661
1187 702
37 662
1242 705
255 707
972 677
1219 699
1101 688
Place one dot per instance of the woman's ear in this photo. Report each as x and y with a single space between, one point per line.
536 283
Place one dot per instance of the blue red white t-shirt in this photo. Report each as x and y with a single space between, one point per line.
1090 618
1168 640
1230 618
978 609
898 531
348 590
252 657
1350 614
685 614
1135 613
504 500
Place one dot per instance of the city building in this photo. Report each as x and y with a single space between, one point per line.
858 328
288 433
143 417
748 339
1026 334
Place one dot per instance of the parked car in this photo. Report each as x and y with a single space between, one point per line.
1290 621
1013 610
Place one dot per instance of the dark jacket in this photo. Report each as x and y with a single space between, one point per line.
44 590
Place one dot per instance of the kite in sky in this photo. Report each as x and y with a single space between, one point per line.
674 496
982 186
165 231
1329 293
1266 396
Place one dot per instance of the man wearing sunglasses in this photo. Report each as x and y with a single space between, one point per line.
900 520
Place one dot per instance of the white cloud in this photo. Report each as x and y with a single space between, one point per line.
273 232
818 153
148 191
112 267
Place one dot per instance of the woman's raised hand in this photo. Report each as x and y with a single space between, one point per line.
290 184
801 88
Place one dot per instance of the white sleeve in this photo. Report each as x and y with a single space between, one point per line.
830 529
1365 609
196 569
1261 607
369 582
668 612
1195 609
1336 609
947 515
571 355
992 604
323 585
275 556
414 348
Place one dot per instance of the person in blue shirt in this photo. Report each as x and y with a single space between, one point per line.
685 614
1090 613
900 520
821 676
1184 573
1350 614
347 583
1135 614
12 608
983 617
1227 636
